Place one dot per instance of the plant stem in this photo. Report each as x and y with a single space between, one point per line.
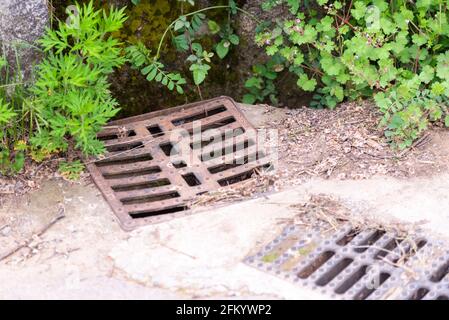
199 92
196 12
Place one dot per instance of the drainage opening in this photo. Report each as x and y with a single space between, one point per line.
141 186
388 248
215 125
198 116
352 280
348 237
243 176
371 287
179 164
365 244
410 252
333 272
419 294
130 133
203 141
191 179
129 160
156 131
169 149
147 214
442 298
440 273
125 147
216 153
151 198
236 163
132 173
316 264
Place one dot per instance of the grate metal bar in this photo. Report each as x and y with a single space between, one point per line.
147 177
345 265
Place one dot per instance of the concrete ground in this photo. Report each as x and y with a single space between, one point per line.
87 256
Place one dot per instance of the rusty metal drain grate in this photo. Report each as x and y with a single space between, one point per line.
158 162
350 264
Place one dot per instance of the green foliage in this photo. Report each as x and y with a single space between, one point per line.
6 113
396 51
227 36
186 36
199 59
13 116
261 85
140 58
71 170
72 85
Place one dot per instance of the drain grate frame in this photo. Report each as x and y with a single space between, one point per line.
144 178
349 264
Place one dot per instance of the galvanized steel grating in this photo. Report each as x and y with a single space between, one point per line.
158 162
432 283
350 264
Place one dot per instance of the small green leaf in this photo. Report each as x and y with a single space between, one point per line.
446 121
234 39
214 28
179 89
222 49
249 99
152 74
306 84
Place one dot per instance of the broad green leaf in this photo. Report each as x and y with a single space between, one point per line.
222 49
249 99
305 83
214 28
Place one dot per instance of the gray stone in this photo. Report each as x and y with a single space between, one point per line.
21 24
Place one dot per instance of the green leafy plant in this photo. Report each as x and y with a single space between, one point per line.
396 51
11 161
186 34
72 85
140 57
71 170
200 60
13 118
261 85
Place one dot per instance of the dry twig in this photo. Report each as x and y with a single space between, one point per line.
60 215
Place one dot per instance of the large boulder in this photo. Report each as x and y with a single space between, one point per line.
22 22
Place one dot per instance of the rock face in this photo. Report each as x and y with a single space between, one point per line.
21 24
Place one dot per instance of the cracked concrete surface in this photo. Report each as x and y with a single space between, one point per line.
87 256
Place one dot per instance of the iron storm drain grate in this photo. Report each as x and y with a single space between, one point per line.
149 176
355 265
